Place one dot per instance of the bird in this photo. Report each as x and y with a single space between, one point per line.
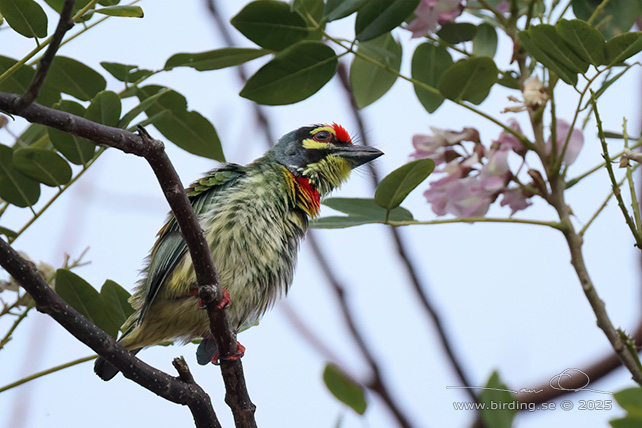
253 218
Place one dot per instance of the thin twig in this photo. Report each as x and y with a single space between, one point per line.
64 24
609 168
47 372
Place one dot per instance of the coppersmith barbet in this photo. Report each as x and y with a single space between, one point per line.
253 217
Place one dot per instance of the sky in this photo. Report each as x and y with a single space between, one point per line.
507 294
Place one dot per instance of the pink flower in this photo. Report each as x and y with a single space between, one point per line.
431 13
462 197
516 199
438 193
508 140
575 142
438 145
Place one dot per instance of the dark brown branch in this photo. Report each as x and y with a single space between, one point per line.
64 24
48 302
207 278
404 254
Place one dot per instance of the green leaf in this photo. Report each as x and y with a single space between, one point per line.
397 185
77 150
187 129
44 166
141 107
457 32
616 16
58 4
15 187
370 82
627 422
126 73
377 17
360 211
495 393
125 11
469 79
585 40
75 78
560 69
293 75
7 232
84 298
622 47
214 60
485 41
19 81
25 16
312 12
338 9
429 62
34 136
116 301
630 399
547 40
270 24
345 389
105 108
605 85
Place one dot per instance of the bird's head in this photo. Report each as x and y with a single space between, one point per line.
324 154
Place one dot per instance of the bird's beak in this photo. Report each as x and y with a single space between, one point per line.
358 155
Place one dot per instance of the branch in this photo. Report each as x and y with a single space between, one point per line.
404 255
594 372
207 278
614 184
64 24
48 302
574 242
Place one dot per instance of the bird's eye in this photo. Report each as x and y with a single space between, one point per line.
322 136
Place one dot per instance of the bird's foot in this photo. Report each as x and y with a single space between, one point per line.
238 355
224 303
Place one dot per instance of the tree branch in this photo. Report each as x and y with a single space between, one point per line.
48 302
64 24
207 278
574 242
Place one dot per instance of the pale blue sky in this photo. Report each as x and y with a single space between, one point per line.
506 293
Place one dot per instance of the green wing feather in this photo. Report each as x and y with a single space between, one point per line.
170 246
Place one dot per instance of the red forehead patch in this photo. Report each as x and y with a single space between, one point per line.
342 134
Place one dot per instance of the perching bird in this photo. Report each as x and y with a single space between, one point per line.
253 217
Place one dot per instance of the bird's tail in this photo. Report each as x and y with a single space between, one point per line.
106 370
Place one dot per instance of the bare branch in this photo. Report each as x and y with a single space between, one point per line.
64 24
48 302
207 278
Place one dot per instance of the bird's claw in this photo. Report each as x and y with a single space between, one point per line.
225 300
224 303
240 352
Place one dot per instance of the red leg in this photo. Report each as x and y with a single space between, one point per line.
225 301
239 354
